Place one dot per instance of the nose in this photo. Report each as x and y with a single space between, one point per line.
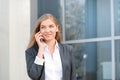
47 29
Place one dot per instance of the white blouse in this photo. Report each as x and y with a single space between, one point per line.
53 65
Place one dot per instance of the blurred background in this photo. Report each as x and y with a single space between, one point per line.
92 27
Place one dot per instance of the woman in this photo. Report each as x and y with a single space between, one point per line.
46 57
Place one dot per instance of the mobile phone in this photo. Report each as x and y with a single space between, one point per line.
42 40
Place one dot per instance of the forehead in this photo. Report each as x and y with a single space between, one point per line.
47 22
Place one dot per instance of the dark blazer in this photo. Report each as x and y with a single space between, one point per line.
37 72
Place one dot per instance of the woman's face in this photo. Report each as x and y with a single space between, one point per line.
48 29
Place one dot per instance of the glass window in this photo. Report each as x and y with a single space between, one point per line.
117 59
92 58
74 19
117 17
103 18
104 64
87 19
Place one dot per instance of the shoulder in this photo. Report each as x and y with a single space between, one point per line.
32 50
34 47
66 46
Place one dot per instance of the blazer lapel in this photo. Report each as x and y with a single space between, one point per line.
61 49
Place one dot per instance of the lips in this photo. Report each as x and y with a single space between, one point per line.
48 35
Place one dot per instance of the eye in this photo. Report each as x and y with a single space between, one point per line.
42 27
51 26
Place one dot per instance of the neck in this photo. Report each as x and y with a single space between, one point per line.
51 46
51 43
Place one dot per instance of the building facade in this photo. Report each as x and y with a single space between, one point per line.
92 27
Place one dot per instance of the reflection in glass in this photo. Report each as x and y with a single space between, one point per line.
87 19
117 17
78 53
117 57
74 19
104 64
92 59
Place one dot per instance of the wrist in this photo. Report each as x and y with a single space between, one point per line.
40 53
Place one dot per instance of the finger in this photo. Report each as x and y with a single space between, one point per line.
38 34
38 38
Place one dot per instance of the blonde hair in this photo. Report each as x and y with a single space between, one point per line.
37 28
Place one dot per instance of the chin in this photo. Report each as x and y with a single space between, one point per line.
48 39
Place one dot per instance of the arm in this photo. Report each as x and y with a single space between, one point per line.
34 70
35 66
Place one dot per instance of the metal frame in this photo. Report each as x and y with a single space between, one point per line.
112 39
63 19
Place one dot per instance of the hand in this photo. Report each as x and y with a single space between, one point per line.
41 44
39 39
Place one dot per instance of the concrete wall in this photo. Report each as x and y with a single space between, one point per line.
4 40
33 13
14 35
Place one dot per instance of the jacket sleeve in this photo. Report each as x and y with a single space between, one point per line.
34 71
73 70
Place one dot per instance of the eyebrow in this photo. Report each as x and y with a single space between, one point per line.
41 25
49 25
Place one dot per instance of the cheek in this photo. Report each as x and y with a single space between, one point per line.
41 31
